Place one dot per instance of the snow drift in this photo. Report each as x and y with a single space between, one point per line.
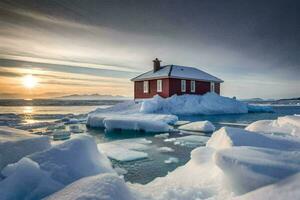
103 186
52 169
285 125
207 104
15 144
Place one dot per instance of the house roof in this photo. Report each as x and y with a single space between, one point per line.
175 71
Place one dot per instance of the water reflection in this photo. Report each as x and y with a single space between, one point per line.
28 110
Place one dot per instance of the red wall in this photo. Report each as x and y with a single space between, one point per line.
139 89
171 86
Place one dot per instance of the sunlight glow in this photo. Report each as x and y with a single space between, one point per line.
29 81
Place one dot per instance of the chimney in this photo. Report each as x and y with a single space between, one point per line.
156 65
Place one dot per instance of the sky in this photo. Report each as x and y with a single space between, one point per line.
96 46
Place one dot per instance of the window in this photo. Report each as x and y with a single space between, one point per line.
146 86
183 85
159 85
193 86
212 87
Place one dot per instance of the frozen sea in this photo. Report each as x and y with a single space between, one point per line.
21 113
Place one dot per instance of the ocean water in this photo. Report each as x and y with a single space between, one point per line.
19 113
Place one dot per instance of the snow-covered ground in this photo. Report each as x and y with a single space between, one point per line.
235 163
284 125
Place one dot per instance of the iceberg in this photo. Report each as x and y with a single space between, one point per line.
200 126
15 144
289 125
156 113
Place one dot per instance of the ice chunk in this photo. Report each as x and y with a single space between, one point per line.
25 180
180 123
15 144
247 168
136 124
163 135
200 126
165 149
285 189
190 140
171 160
128 112
125 150
104 186
73 159
287 125
227 137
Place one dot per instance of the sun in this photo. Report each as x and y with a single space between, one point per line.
29 81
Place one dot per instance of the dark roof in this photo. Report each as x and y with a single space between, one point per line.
175 71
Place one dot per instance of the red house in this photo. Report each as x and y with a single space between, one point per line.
173 79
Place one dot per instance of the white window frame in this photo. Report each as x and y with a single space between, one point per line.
146 86
159 85
212 87
183 85
193 86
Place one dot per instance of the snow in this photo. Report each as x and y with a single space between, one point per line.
15 144
125 150
52 169
80 151
176 71
200 126
25 180
103 186
157 113
207 104
289 125
136 124
181 122
233 162
286 189
247 168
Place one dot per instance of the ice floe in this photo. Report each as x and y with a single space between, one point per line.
165 149
200 126
171 160
136 124
285 125
125 150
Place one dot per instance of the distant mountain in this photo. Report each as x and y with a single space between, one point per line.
256 100
92 97
294 98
